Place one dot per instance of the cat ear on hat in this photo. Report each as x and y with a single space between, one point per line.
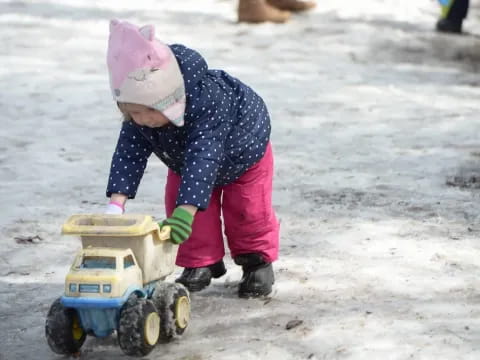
113 23
148 32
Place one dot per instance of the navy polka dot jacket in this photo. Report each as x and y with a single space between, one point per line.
226 131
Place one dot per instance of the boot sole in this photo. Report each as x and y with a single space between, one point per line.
195 287
254 294
216 273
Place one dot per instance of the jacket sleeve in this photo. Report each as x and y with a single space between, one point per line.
204 153
129 161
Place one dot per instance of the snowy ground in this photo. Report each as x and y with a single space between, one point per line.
372 113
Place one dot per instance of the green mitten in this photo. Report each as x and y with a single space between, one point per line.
181 225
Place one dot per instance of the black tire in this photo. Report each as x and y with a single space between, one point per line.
173 303
63 329
134 337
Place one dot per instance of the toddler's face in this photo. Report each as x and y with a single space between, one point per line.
144 116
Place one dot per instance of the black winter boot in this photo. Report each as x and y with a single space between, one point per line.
196 279
449 26
257 279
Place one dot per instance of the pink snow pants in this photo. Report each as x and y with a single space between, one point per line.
249 219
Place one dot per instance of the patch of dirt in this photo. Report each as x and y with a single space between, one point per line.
467 177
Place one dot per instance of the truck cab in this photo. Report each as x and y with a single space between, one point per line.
103 273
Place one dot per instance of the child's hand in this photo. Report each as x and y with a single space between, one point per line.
181 225
114 208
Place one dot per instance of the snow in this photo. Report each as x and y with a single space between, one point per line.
372 113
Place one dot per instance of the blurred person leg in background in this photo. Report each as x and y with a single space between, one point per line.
277 11
453 14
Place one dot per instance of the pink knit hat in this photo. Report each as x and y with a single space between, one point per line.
144 70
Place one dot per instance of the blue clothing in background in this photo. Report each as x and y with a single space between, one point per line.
454 10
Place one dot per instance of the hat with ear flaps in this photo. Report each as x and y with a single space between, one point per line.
144 70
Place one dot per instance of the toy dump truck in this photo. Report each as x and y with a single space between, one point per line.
116 283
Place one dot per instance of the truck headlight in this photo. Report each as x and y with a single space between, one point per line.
72 287
107 288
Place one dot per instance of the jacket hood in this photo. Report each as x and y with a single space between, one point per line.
192 65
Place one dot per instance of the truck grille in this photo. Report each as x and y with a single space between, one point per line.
89 288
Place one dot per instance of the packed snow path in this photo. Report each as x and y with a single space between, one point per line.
373 114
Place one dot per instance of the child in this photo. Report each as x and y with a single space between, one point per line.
212 131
